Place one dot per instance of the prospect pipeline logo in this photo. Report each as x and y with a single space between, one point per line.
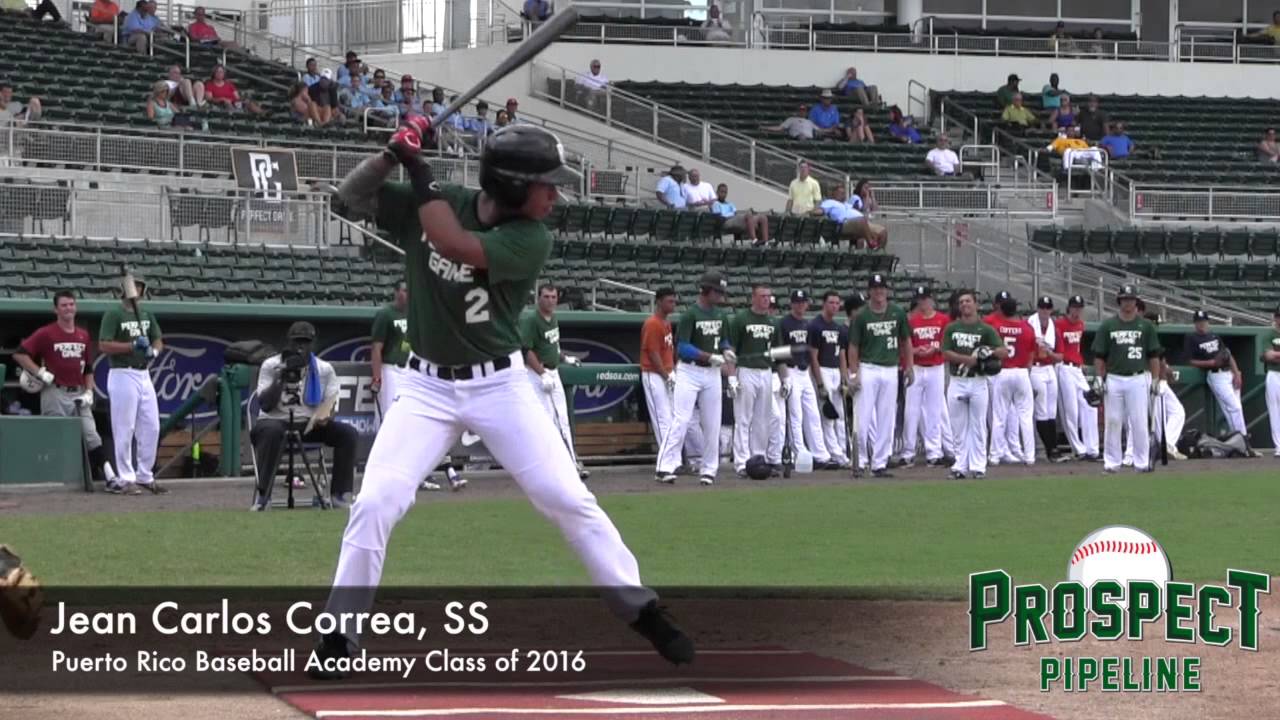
1119 581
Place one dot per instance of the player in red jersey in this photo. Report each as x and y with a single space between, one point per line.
1012 437
926 398
1079 418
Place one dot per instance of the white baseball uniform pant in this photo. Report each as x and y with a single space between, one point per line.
1273 408
502 408
1126 408
833 431
1173 416
390 384
967 400
1012 430
927 398
1079 418
699 386
752 415
554 405
1228 399
806 416
135 415
776 420
878 411
1044 389
660 399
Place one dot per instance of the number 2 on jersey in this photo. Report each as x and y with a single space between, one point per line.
478 306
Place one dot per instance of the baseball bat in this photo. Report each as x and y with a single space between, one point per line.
851 431
788 456
130 290
546 34
1164 435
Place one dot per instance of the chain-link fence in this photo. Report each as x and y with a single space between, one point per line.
1037 202
1206 204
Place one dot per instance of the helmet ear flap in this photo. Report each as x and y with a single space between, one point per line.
507 191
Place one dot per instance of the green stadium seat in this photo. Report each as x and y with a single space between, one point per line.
1235 243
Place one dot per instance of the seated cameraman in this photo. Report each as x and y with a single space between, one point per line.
296 383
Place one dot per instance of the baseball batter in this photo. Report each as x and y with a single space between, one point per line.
827 340
703 348
926 418
1206 350
388 353
797 385
752 334
1079 418
471 261
1012 439
1124 363
540 333
964 342
130 340
879 343
1271 358
1044 377
59 356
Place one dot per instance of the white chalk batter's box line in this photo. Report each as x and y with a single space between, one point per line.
651 710
570 683
1113 546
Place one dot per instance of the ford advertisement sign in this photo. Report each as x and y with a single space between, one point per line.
178 372
591 400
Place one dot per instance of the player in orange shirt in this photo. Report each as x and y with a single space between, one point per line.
657 370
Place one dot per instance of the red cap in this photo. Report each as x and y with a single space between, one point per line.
406 78
512 101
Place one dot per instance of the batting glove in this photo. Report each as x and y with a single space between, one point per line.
142 344
421 124
572 361
86 398
730 356
733 388
910 376
45 376
548 382
855 382
1155 388
786 388
1100 386
671 383
405 144
716 360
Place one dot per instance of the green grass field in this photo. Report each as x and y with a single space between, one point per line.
895 540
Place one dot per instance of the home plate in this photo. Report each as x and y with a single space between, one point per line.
647 696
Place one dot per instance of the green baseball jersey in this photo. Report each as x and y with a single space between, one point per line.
1125 346
459 314
120 325
752 335
542 336
878 335
964 338
391 327
1273 343
701 328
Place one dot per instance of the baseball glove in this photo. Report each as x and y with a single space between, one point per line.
1223 358
21 596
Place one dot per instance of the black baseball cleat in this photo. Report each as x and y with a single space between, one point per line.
937 462
882 473
332 646
956 475
154 488
665 478
656 625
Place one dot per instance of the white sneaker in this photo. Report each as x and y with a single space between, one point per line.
457 483
706 480
428 485
1177 455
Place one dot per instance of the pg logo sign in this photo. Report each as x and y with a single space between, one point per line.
269 172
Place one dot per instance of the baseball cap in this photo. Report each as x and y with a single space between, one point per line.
1127 292
302 330
877 281
1075 301
923 292
406 78
1014 78
512 101
1003 295
1045 302
826 93
854 301
1201 315
327 74
802 296
714 280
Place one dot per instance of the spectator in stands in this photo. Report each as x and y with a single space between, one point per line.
479 123
1017 117
139 25
1075 150
344 70
536 10
385 109
183 91
864 198
1004 95
104 15
1119 145
591 87
410 103
698 193
670 189
45 8
159 109
1272 31
1051 94
353 97
755 227
825 115
854 226
1099 46
203 33
456 120
353 70
851 85
1063 117
902 128
716 28
512 107
301 109
798 126
804 193
1093 121
501 119
13 112
1268 150
324 96
437 101
1059 39
942 160
222 92
380 81
859 130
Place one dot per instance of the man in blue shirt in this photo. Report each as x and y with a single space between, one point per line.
480 124
670 189
854 225
851 85
1118 144
536 10
139 24
825 115
755 227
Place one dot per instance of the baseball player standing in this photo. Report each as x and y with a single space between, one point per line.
1207 351
752 333
827 340
540 333
130 340
1174 415
657 371
60 357
703 348
1044 377
1124 360
797 384
966 341
471 260
1079 418
926 397
1271 357
879 343
1012 438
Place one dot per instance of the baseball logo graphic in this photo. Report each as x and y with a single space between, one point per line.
1120 553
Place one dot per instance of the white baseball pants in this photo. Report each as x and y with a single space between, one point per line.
776 420
555 406
135 415
1126 408
878 411
660 400
1079 418
752 415
1174 416
833 431
1228 399
502 408
926 417
1012 431
700 386
806 416
1044 390
390 384
1273 408
967 404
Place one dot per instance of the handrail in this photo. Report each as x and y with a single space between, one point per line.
368 235
595 292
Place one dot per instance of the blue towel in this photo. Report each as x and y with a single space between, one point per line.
313 393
